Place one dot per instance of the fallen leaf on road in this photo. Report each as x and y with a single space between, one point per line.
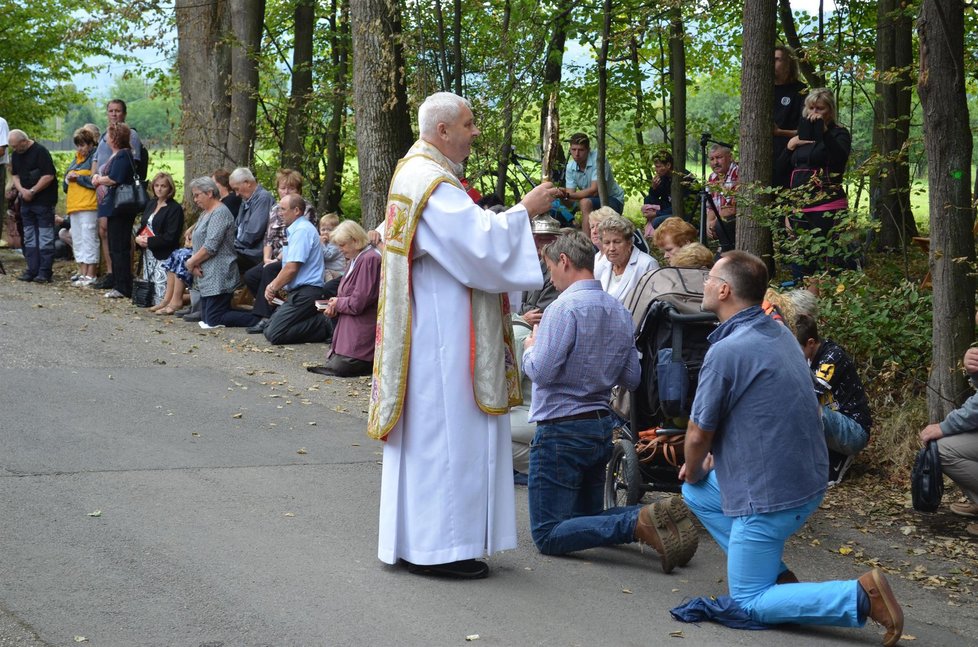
97 513
289 514
626 591
195 434
472 637
845 550
908 637
302 450
676 634
81 639
237 415
312 422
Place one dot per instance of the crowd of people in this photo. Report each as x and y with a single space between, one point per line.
449 356
311 280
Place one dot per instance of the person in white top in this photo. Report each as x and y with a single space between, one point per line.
625 263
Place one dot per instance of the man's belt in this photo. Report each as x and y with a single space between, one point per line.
597 414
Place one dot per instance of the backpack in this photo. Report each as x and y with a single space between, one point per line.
142 164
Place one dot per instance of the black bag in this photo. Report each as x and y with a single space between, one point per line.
131 198
926 479
142 293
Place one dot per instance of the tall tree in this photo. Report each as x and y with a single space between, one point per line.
894 57
506 147
757 115
218 81
941 87
602 121
811 74
339 27
380 98
247 17
677 72
553 152
296 116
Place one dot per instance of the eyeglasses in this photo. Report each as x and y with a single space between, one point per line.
707 276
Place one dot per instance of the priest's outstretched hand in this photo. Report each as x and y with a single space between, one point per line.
539 199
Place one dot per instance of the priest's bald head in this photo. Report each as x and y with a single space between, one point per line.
446 122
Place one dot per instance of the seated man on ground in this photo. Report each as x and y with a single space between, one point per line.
581 180
957 442
723 186
581 349
251 219
297 321
846 418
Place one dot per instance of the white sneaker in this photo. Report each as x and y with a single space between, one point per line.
83 281
114 294
207 327
75 277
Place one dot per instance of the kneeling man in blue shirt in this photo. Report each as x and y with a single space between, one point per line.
582 347
756 461
297 321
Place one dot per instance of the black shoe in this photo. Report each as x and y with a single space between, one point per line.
258 328
26 276
321 370
182 312
193 317
105 282
466 569
42 279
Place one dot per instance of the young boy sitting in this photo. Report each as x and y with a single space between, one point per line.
846 418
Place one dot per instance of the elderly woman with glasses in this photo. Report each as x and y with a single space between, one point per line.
625 263
213 263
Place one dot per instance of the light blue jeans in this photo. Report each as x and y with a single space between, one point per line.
754 545
842 433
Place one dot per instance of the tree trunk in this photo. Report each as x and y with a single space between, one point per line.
601 134
203 62
947 139
247 17
757 115
296 119
442 51
812 77
894 52
380 98
329 195
457 47
552 151
638 123
505 149
677 72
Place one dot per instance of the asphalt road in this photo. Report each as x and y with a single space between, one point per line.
164 485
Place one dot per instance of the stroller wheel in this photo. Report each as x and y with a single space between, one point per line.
623 480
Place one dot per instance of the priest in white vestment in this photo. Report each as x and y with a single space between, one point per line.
444 370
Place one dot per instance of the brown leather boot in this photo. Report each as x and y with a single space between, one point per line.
682 522
653 529
883 606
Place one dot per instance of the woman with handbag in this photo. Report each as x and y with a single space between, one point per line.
81 205
818 156
120 206
159 234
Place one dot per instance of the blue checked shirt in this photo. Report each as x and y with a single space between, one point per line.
585 345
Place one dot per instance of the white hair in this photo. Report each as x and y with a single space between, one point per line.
241 174
439 108
18 134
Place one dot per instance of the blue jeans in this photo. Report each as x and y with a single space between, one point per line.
754 545
566 486
842 433
38 238
615 204
216 311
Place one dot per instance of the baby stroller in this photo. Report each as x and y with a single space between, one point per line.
671 336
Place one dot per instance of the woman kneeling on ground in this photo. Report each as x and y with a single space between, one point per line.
354 308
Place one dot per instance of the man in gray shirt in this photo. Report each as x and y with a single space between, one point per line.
251 219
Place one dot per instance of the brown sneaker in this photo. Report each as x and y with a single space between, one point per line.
967 509
653 529
883 606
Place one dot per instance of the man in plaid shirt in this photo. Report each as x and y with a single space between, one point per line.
723 185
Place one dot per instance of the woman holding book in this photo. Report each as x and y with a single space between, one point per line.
159 234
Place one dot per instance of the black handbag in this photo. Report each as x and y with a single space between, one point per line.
926 479
130 198
142 291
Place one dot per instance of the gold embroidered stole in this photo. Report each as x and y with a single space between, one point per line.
492 360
